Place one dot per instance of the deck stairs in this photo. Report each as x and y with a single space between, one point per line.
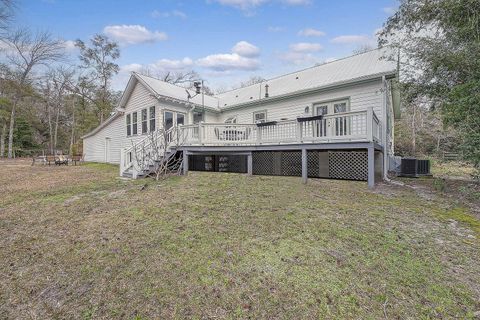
143 158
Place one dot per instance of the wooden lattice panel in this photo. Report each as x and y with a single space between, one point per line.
277 163
350 165
291 163
263 163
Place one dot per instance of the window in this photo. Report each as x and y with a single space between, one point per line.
129 128
144 121
197 117
134 123
340 107
260 116
180 119
167 120
152 119
231 120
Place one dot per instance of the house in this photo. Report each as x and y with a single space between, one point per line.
333 120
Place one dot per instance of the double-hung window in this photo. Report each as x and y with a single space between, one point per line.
260 116
152 118
144 121
134 123
129 128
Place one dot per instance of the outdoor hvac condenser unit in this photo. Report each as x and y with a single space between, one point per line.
412 167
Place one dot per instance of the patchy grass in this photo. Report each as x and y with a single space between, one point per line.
78 242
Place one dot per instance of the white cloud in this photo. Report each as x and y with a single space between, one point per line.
248 6
168 14
245 49
173 65
389 10
228 61
310 32
306 47
299 58
275 29
69 45
351 39
133 34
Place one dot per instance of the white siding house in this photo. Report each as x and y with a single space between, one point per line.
105 143
348 105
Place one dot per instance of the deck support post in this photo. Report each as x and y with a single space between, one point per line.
185 163
249 164
304 166
371 166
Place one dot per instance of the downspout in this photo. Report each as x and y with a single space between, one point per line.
384 130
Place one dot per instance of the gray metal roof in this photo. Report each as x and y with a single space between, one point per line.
350 69
357 67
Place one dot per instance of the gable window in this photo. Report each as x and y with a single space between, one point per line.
129 128
134 123
260 116
144 121
152 119
231 120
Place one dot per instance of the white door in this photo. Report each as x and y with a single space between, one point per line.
332 126
107 150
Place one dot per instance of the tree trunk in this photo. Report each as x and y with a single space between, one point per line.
50 129
414 132
12 127
2 140
72 136
55 135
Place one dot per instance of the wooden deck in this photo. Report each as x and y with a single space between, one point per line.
360 126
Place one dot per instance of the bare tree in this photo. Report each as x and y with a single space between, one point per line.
55 91
4 118
99 59
7 8
26 52
251 81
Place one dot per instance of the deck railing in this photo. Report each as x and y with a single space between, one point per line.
345 126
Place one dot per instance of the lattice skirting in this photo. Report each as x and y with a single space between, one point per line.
277 163
218 163
341 164
349 165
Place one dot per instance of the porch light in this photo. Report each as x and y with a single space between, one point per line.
266 90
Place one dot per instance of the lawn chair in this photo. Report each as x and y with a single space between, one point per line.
61 159
76 158
49 159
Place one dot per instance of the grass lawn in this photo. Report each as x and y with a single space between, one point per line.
80 243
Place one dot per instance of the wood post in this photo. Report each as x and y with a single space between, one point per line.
185 163
371 166
249 164
304 166
370 123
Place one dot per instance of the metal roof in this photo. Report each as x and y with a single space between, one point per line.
361 66
358 67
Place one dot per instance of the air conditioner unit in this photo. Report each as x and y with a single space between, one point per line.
412 167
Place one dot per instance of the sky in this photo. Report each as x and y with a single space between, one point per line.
225 41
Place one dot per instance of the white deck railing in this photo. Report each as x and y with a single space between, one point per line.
340 127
